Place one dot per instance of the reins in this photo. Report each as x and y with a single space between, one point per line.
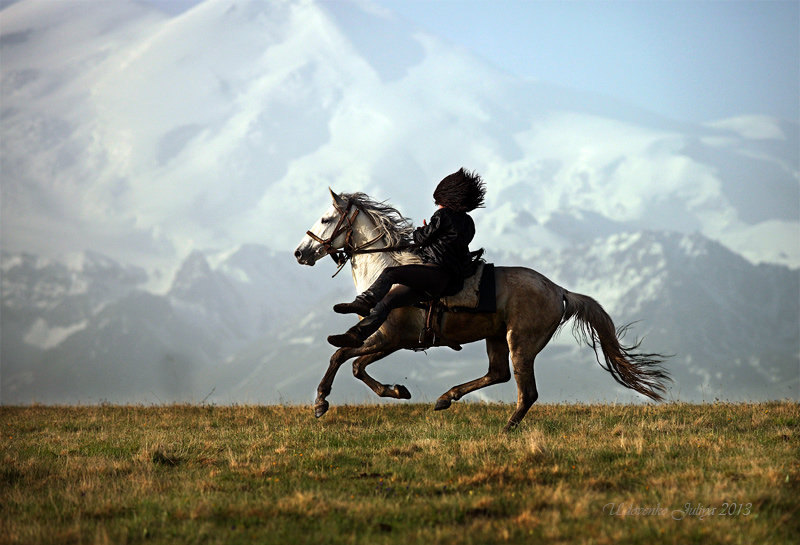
395 248
348 250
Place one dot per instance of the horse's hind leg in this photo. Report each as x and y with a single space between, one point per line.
397 391
497 349
526 391
523 354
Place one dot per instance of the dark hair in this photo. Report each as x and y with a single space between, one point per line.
462 191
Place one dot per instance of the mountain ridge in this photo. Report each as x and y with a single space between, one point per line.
238 332
176 146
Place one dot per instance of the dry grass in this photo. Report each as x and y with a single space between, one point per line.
400 474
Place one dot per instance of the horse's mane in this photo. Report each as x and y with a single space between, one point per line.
397 227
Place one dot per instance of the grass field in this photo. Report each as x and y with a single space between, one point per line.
675 473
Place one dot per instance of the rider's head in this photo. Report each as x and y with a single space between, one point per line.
462 191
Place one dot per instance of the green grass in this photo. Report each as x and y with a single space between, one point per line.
400 474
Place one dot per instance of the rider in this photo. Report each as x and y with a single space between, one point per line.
443 247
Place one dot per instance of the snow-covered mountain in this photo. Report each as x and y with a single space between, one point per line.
150 139
86 330
732 326
145 136
45 301
247 330
728 323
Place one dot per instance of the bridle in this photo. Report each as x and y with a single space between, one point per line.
345 225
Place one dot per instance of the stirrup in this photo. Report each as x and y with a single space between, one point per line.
430 335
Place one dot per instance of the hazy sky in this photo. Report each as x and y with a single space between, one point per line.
695 60
692 60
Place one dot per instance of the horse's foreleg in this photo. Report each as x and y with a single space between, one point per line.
397 391
324 388
372 346
497 349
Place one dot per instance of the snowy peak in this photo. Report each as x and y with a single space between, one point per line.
193 275
31 281
627 272
728 322
233 320
239 140
375 36
47 301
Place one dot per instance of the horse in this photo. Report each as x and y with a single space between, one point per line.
530 309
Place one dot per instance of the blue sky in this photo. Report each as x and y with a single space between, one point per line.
690 60
696 60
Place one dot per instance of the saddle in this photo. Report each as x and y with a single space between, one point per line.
479 295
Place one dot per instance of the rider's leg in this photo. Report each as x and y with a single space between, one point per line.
426 283
364 302
356 335
429 279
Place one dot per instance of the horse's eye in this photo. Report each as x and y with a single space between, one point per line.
327 220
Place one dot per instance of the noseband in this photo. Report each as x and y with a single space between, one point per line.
344 225
344 216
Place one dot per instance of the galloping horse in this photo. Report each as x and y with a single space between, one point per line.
530 309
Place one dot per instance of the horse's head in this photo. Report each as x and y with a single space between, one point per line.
332 232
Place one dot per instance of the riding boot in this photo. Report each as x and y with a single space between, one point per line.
356 335
363 304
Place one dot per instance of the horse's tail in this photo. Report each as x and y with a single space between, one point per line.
640 372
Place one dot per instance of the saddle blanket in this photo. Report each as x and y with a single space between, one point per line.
479 293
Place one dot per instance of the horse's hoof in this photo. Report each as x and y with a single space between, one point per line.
401 391
511 426
320 407
441 404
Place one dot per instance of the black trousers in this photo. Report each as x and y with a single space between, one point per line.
397 287
412 284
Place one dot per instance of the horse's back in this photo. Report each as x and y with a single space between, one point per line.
524 293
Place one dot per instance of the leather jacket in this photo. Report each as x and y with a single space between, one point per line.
445 242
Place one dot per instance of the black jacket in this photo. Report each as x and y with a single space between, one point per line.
445 242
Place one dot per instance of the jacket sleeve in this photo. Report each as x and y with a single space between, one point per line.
428 233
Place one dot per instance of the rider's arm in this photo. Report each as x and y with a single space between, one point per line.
424 235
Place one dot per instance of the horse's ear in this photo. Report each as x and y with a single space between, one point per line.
337 200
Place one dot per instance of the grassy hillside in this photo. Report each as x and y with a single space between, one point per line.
401 473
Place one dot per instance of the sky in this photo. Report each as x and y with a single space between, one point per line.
689 60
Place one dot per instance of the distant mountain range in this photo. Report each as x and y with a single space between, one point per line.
191 153
247 330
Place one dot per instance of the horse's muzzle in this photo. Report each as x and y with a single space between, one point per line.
302 259
305 256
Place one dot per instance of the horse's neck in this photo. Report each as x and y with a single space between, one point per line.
367 267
